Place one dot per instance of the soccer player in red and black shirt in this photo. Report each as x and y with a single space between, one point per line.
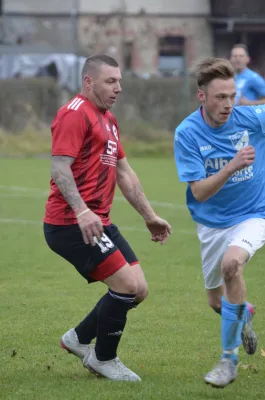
87 161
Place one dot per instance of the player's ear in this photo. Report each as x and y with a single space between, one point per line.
201 95
87 80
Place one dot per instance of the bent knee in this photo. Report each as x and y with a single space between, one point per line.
127 286
142 292
130 286
230 269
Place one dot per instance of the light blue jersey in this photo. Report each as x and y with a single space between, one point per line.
249 84
201 151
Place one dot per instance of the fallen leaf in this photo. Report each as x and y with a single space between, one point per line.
251 367
262 352
244 366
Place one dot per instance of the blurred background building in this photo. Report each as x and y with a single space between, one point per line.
162 37
146 36
239 21
149 38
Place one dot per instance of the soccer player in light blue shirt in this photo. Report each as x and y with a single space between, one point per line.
250 86
219 152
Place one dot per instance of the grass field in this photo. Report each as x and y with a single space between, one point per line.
171 340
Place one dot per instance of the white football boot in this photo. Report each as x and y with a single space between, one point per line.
70 342
222 374
113 369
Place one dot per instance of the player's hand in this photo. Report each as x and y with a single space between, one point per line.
159 228
90 225
243 101
242 159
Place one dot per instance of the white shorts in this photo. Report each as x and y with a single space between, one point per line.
249 234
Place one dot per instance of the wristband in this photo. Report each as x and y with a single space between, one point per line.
83 212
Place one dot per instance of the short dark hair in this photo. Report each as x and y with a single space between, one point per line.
212 68
95 61
241 46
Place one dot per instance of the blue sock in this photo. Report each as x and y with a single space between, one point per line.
233 319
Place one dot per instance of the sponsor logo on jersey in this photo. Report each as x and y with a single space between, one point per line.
115 133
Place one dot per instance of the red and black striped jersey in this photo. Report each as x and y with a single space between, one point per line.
82 131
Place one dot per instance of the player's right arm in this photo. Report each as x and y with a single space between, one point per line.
62 176
67 138
191 168
204 189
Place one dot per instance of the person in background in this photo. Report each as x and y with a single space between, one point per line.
250 86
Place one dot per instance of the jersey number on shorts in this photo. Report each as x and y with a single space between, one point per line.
105 244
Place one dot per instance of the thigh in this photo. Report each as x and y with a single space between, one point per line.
213 244
130 257
138 273
246 239
94 263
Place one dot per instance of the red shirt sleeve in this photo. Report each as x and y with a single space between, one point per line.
121 153
68 132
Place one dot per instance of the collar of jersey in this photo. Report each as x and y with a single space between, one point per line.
81 96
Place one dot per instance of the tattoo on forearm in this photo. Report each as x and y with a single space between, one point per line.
63 178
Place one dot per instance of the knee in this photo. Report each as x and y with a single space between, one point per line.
142 292
230 269
130 286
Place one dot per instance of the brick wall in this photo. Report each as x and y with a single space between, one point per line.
108 33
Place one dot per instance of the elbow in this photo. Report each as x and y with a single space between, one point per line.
199 198
199 195
53 172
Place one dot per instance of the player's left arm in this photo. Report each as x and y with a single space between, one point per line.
256 116
132 190
258 85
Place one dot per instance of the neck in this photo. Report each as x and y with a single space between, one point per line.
93 100
239 71
209 119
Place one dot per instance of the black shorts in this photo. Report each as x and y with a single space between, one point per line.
94 263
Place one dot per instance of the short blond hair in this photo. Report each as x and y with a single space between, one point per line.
212 68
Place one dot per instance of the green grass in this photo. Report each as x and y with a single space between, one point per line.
171 340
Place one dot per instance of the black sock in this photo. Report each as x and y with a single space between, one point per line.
111 322
87 329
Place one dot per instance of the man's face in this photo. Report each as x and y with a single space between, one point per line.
239 59
218 99
104 86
